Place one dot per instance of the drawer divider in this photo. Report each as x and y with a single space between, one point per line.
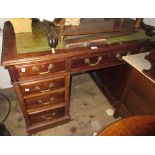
47 92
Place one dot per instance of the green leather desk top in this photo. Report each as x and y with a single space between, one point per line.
37 40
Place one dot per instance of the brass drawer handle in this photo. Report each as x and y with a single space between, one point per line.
40 101
43 91
36 69
36 88
119 57
50 101
50 86
129 53
87 61
43 103
51 116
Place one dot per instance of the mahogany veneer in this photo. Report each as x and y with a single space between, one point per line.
137 97
131 126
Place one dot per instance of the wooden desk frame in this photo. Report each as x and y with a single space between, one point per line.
34 73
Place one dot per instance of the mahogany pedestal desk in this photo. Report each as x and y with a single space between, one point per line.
41 80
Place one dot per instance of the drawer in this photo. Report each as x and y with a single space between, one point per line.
44 100
97 61
42 86
42 68
47 115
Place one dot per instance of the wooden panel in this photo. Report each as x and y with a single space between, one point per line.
41 86
138 97
112 81
44 100
47 116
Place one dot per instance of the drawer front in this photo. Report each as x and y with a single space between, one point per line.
47 115
97 61
42 86
25 71
44 100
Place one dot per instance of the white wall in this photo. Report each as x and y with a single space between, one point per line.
4 75
149 21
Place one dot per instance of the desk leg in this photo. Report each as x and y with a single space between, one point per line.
67 95
116 112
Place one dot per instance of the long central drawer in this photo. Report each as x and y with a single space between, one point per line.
96 61
100 60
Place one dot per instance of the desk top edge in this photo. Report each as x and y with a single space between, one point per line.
10 56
